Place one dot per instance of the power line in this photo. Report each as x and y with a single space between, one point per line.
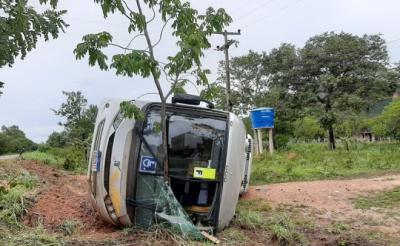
394 40
274 13
97 22
255 9
241 6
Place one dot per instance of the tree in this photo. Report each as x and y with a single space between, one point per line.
307 129
191 31
341 74
249 81
21 26
263 80
79 120
57 139
13 140
388 123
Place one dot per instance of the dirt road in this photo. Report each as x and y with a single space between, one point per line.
331 195
8 157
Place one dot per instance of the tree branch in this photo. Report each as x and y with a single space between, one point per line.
176 80
126 48
127 6
161 33
154 15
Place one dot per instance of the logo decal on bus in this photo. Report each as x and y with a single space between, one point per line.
148 164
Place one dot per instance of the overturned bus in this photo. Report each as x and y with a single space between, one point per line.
209 164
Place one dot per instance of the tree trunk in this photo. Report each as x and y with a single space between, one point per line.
164 139
332 144
163 99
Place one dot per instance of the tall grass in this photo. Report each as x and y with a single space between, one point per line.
44 157
12 197
69 158
315 161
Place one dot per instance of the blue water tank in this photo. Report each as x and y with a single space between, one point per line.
262 118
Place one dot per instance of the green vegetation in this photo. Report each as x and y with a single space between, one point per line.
12 200
388 123
331 83
285 231
314 161
69 149
13 140
68 158
338 228
307 129
248 219
385 199
69 227
191 30
35 236
22 26
79 119
275 223
43 157
15 184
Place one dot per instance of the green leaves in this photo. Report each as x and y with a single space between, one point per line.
214 21
388 123
130 110
92 45
189 27
53 3
138 22
21 26
134 63
79 119
110 6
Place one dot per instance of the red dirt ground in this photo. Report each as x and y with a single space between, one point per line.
64 197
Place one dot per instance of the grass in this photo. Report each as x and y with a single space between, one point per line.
44 157
385 199
338 228
15 184
302 162
279 224
69 227
12 197
34 237
285 230
68 159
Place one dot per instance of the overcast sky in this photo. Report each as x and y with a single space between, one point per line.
33 85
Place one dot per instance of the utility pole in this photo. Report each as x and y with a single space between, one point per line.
225 48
